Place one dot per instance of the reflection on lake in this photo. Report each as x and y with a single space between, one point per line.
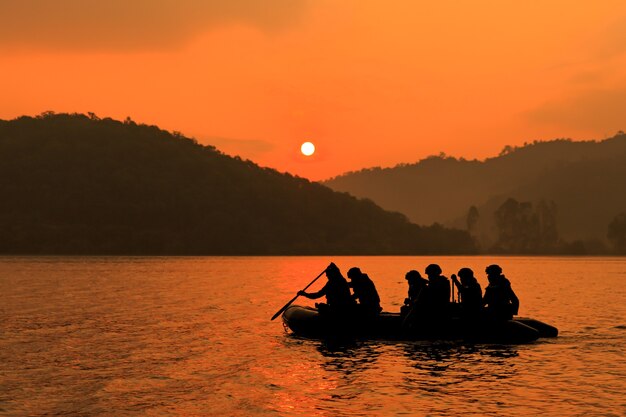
181 336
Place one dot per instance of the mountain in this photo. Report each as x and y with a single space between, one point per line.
585 181
77 184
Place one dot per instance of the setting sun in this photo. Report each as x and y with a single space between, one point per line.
307 149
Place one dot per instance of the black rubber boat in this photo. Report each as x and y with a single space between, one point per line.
307 322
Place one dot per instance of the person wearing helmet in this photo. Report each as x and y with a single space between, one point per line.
364 292
415 304
500 299
337 292
438 290
417 287
470 293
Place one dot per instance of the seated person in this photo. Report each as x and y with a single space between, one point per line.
438 292
500 299
417 291
337 292
364 292
471 294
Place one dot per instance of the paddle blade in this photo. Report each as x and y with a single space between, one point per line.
279 312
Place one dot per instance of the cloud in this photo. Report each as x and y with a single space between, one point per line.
132 24
598 109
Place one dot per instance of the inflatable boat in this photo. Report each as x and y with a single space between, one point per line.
307 322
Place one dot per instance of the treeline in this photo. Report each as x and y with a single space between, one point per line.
78 184
582 184
532 228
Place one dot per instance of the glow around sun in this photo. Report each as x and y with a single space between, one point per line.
307 149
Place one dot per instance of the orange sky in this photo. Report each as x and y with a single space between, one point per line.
370 82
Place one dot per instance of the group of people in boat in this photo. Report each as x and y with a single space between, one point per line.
428 299
363 299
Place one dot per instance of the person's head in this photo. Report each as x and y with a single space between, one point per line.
433 270
493 271
354 273
332 272
466 275
414 278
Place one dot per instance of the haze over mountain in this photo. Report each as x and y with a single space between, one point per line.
583 182
82 185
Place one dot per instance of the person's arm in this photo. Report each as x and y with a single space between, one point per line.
314 295
456 282
486 297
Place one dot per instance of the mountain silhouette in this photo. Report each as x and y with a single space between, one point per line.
78 184
583 181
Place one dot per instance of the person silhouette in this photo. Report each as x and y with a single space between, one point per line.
499 298
471 295
415 305
438 291
364 292
337 292
417 289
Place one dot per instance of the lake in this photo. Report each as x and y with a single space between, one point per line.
192 336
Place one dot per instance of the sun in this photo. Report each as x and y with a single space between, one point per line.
307 149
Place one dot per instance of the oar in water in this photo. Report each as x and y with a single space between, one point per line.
297 295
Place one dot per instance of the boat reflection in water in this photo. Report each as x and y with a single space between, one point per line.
410 377
435 359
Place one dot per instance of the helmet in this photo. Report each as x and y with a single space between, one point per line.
413 274
354 272
332 271
433 269
493 270
466 272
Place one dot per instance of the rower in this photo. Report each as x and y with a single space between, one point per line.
438 292
471 294
417 292
364 292
337 292
500 299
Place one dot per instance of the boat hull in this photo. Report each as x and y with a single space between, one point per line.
307 322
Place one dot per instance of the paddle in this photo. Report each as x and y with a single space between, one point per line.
454 284
297 295
452 287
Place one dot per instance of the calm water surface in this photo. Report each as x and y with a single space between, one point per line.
192 336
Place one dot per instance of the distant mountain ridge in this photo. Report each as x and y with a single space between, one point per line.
78 184
586 180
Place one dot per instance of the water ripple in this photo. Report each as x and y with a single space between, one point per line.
192 336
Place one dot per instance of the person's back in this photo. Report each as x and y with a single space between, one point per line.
500 299
438 290
470 292
416 304
472 296
417 288
338 293
364 291
336 290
